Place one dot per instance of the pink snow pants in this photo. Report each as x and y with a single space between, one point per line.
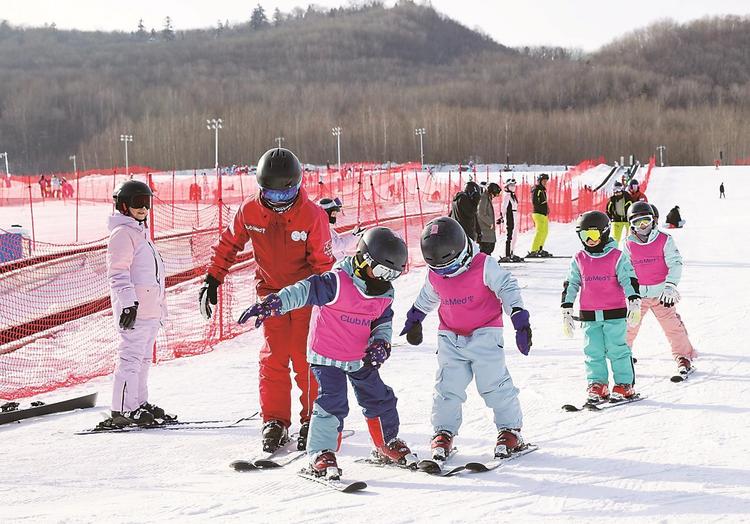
672 325
133 361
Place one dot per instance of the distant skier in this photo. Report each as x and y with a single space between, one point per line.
721 191
634 190
617 210
674 220
486 218
136 279
610 301
658 266
464 209
342 244
470 291
350 338
509 216
539 216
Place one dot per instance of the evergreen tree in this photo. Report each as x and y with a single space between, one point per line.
141 33
258 19
278 17
167 33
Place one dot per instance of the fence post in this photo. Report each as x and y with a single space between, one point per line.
78 193
406 227
374 203
173 199
220 205
151 234
419 199
359 196
31 208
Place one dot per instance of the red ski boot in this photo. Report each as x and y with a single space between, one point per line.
684 367
397 451
323 464
508 441
597 392
622 392
441 445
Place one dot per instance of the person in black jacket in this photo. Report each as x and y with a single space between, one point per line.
674 220
539 215
617 210
464 209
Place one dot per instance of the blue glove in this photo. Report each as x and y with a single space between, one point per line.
520 319
269 307
376 353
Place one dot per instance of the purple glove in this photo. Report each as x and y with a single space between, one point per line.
269 307
413 317
520 319
376 353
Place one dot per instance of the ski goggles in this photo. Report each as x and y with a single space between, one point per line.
590 234
641 222
279 196
448 269
458 264
327 203
139 201
379 270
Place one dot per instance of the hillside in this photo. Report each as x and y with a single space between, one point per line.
378 73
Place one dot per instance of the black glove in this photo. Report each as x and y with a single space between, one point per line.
414 335
207 296
127 317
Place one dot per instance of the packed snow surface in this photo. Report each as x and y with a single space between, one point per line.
681 455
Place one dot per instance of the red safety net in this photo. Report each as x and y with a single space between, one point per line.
56 327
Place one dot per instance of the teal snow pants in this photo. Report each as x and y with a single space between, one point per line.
605 339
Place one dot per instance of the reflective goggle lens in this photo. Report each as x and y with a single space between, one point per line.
139 201
447 270
641 222
385 273
279 196
590 234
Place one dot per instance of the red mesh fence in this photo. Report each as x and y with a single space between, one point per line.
56 325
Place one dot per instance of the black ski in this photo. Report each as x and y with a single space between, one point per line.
481 467
375 460
12 414
335 484
175 425
438 467
682 376
601 406
283 456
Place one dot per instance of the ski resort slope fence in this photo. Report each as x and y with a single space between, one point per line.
56 322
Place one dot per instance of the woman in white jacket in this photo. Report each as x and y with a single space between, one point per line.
342 244
136 278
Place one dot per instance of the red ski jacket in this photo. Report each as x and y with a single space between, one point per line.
288 246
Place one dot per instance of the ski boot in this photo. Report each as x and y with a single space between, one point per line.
323 464
505 260
622 392
274 436
597 393
304 429
441 445
684 366
516 258
508 441
545 254
160 416
137 417
534 254
397 451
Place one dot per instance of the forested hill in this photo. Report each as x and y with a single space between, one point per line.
378 73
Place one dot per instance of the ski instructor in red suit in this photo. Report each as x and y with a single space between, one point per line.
291 241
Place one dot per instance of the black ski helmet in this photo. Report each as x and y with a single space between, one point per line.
493 189
593 220
442 241
640 209
278 168
381 246
656 213
543 176
124 193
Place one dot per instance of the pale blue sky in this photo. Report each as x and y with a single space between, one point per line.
586 24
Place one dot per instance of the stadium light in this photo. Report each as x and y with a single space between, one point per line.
126 139
336 131
215 124
5 156
279 140
421 132
661 154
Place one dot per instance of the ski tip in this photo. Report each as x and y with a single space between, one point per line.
355 486
677 378
266 464
570 408
242 465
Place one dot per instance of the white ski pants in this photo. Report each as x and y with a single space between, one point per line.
133 362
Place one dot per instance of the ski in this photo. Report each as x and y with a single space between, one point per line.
11 413
481 467
438 467
171 426
283 456
682 377
601 406
375 460
335 484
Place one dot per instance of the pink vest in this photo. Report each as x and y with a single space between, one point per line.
648 260
600 289
341 330
466 303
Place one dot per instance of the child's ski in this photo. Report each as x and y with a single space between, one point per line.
438 467
335 484
375 460
175 425
682 376
11 413
607 404
283 456
481 467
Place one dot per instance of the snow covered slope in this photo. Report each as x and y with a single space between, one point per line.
679 456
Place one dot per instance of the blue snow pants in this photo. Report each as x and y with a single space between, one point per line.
377 400
605 339
480 355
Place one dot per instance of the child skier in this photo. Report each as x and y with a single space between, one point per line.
658 266
470 291
136 278
350 337
342 244
605 277
509 215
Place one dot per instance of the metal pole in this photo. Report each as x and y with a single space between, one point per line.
336 131
661 155
7 171
75 170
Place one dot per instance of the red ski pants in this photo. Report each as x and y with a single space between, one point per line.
286 340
